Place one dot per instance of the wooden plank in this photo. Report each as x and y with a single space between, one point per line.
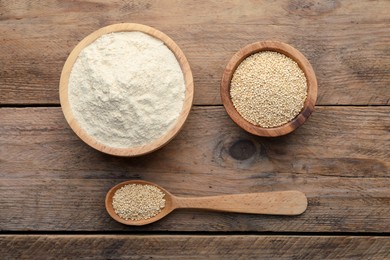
335 141
335 205
193 247
50 180
347 42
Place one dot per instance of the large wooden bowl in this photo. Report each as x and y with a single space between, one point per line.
130 151
290 52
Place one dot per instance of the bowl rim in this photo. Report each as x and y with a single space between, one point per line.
131 151
290 52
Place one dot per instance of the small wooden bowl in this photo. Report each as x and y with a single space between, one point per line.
290 52
131 151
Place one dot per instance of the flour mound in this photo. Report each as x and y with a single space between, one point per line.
126 89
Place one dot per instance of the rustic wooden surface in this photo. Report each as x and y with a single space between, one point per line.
347 42
343 168
194 247
52 185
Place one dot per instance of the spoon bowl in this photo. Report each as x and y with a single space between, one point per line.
271 203
169 204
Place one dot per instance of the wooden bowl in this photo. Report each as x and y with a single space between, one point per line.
290 52
131 151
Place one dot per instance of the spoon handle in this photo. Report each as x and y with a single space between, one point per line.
272 203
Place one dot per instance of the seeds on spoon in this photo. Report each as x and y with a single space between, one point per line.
138 201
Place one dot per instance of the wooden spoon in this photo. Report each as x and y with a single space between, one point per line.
270 203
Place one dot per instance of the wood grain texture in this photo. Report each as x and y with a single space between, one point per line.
346 41
146 148
50 180
293 54
193 247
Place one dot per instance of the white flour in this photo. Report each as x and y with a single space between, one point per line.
126 89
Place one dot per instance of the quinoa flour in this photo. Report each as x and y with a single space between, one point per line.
126 89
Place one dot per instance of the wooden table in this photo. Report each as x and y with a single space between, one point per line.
52 185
